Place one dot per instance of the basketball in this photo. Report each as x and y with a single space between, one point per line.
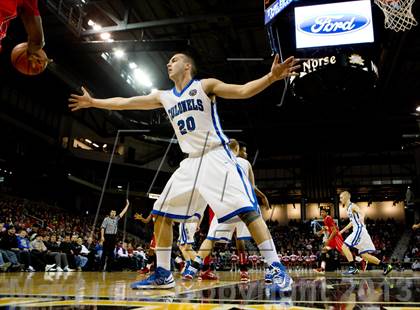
19 58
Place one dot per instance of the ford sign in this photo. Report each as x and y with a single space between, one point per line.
333 24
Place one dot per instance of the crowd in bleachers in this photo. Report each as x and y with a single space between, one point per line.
37 237
412 255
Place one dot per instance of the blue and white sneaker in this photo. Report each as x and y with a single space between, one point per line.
278 277
189 273
187 265
271 270
351 271
160 279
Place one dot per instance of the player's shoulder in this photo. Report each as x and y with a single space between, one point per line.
243 161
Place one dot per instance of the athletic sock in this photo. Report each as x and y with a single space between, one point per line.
163 257
268 250
197 262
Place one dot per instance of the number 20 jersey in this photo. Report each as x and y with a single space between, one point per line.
194 118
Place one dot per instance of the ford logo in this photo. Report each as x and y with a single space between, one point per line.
333 24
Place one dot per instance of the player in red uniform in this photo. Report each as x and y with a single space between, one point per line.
152 247
333 241
29 13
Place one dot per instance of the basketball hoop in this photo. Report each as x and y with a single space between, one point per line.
398 14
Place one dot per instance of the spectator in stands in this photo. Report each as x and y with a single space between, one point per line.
66 248
122 256
80 253
9 246
4 266
93 259
416 265
109 229
33 232
40 255
25 250
54 250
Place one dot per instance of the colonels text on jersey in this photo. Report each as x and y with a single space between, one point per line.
194 118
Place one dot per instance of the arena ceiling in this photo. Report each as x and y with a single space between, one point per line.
220 33
229 41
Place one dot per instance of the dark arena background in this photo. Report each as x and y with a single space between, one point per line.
348 120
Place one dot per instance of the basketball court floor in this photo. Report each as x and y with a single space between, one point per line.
94 290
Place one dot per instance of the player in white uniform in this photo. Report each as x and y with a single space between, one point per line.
359 238
223 232
186 240
201 178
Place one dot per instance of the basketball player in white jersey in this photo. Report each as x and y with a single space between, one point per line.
186 240
223 232
201 178
359 238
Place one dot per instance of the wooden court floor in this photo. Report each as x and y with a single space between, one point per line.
96 290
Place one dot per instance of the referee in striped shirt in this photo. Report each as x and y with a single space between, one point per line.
109 229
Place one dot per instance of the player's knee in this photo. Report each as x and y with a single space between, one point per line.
249 217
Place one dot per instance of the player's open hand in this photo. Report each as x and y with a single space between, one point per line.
80 102
281 70
138 217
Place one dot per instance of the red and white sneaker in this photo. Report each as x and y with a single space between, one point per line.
144 270
207 275
244 276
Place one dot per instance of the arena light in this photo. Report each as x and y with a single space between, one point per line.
91 23
418 108
132 65
88 141
105 145
153 196
142 77
119 53
97 27
95 145
119 186
105 35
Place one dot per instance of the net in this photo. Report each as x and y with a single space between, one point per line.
398 14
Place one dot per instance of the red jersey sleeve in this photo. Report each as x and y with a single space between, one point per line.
30 6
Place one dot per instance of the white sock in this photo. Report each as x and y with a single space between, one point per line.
268 250
163 257
323 265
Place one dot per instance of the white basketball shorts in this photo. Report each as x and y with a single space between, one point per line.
215 179
360 239
186 232
222 232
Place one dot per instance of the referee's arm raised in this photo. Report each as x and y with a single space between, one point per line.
125 209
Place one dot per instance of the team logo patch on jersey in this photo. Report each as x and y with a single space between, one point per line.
193 92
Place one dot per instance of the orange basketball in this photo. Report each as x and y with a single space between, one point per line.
20 60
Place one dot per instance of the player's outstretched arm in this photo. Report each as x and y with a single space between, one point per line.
349 225
278 72
147 102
